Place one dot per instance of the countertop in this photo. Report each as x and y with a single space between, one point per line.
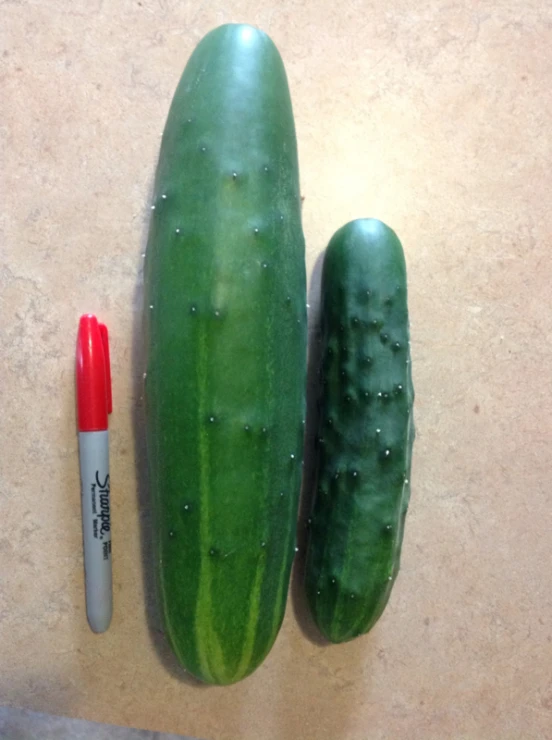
22 724
435 117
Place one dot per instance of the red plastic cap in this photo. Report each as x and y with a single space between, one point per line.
107 362
93 375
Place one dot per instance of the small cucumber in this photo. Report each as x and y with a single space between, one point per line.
365 432
226 355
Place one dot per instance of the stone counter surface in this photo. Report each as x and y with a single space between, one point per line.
435 117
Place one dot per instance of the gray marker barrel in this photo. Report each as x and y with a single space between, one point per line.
96 525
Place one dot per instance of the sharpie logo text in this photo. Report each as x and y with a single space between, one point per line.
103 493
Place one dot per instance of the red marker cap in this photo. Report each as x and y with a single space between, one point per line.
93 375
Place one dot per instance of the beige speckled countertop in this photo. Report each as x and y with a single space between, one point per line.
436 119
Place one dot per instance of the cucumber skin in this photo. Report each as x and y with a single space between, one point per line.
357 522
225 326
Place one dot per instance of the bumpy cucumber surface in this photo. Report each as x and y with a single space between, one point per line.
225 311
365 431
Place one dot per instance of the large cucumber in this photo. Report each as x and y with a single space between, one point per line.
365 431
225 294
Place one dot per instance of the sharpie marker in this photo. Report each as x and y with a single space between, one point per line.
93 406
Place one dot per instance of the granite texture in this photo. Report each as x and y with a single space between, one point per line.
434 116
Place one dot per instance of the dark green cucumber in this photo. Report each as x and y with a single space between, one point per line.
225 294
365 431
